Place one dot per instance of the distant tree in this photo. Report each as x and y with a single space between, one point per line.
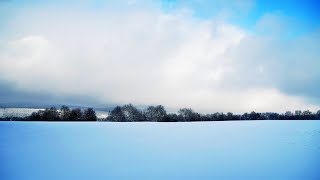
75 115
188 114
65 113
89 115
288 115
318 115
236 117
254 116
172 118
216 116
265 116
50 115
245 116
131 113
272 116
298 113
206 117
35 116
155 113
117 115
306 113
185 114
229 116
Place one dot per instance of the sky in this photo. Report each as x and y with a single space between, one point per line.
217 55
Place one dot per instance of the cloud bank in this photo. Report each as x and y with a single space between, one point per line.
144 55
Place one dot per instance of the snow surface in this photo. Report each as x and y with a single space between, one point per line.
199 150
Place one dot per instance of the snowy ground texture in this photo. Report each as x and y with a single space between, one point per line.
199 150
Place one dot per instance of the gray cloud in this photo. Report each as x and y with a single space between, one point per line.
10 96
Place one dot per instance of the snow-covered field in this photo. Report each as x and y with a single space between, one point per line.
207 150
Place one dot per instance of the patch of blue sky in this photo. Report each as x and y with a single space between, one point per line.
297 13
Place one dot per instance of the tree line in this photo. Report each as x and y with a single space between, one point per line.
129 113
63 114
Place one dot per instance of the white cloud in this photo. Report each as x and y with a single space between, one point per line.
144 56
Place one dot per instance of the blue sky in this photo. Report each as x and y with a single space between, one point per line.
305 13
200 54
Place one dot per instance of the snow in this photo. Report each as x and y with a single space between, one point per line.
17 112
198 150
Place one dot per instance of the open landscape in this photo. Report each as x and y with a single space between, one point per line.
160 90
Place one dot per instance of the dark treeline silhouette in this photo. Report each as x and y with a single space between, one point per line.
64 114
129 113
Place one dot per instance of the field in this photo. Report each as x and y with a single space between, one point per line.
199 150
